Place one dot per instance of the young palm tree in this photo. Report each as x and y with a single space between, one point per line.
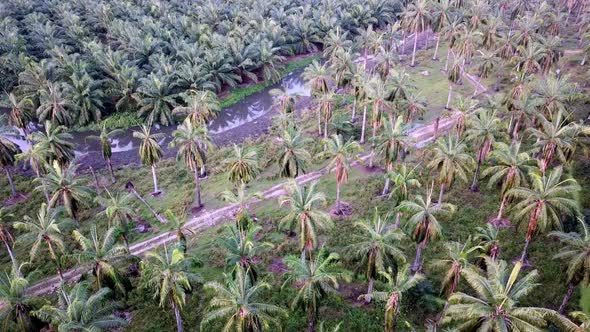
314 279
243 165
193 142
283 100
423 222
544 203
179 226
340 154
576 253
397 284
17 303
390 143
150 151
293 155
495 305
102 253
105 139
417 18
118 211
451 161
510 169
168 275
243 248
78 310
6 235
377 246
459 257
488 240
404 181
201 106
8 151
241 198
482 129
305 215
43 229
237 302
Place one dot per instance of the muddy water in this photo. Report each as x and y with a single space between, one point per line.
250 117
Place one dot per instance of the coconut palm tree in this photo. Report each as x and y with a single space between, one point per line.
200 106
65 187
241 198
102 253
305 214
423 222
17 302
293 155
317 77
20 112
314 279
404 181
118 211
495 306
150 151
544 203
105 138
167 273
393 140
36 158
442 16
243 165
55 142
483 128
455 77
510 169
417 18
397 284
238 302
488 240
283 100
377 246
340 154
8 152
193 142
54 104
44 229
156 99
451 161
459 256
243 249
576 253
6 235
80 311
413 106
378 94
326 103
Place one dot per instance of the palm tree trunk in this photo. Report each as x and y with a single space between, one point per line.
371 157
502 205
414 51
417 265
583 61
370 290
353 118
311 318
338 196
448 106
198 188
96 183
326 127
366 55
567 297
364 125
474 183
110 166
156 214
403 41
398 218
52 252
441 193
447 61
434 57
387 180
527 241
177 316
9 176
155 178
12 258
499 77
319 123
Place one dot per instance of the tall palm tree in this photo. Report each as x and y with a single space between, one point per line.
102 253
43 229
417 18
55 141
168 275
238 302
150 151
393 140
496 303
483 128
510 169
305 214
105 138
293 155
17 302
8 151
156 99
378 94
243 165
201 106
544 203
326 103
314 279
193 142
423 222
451 161
376 245
80 311
243 248
6 235
340 154
317 77
397 284
576 253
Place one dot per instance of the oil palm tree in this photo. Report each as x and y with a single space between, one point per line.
451 161
200 106
55 141
78 310
6 235
156 99
243 249
423 222
20 112
377 246
305 215
168 275
293 155
239 303
17 302
544 203
483 128
36 158
576 253
495 306
8 152
397 284
54 104
510 169
43 229
193 142
86 97
243 165
315 278
340 154
106 139
102 253
150 151
118 211
459 256
393 140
